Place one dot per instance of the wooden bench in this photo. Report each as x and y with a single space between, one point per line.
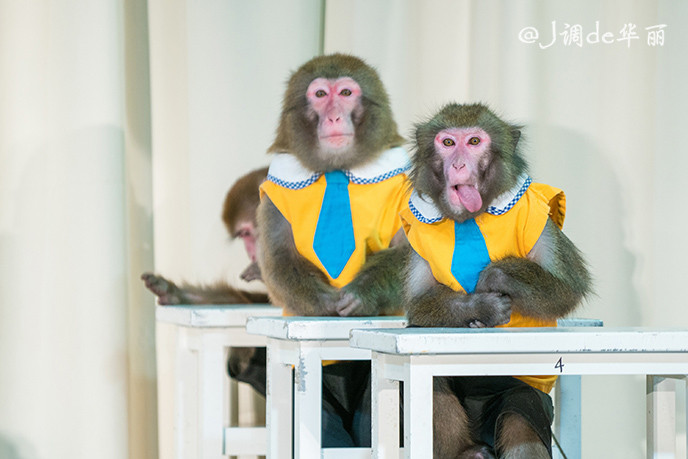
413 356
202 396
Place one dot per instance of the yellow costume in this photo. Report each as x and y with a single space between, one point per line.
377 192
510 227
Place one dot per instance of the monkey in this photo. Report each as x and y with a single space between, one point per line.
486 250
336 117
338 153
246 364
239 218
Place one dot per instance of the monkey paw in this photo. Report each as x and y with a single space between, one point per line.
166 291
489 310
251 273
348 305
493 279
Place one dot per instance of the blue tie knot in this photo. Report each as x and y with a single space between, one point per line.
336 177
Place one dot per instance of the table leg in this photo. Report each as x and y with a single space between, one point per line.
568 415
385 410
308 403
211 396
661 417
417 412
278 403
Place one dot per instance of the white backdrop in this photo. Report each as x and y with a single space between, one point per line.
123 123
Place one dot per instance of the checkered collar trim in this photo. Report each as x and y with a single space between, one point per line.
426 212
286 170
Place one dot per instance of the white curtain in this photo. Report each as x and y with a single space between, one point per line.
123 123
64 174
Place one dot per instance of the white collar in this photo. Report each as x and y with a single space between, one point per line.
287 171
426 211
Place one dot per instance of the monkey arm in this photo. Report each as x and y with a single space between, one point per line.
549 284
169 293
292 281
378 288
431 304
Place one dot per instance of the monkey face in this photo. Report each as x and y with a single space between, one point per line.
246 230
335 104
462 151
465 157
335 115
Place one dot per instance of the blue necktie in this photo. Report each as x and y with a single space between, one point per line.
334 235
470 254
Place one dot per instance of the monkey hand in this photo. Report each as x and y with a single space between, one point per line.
495 279
481 310
251 273
351 304
166 291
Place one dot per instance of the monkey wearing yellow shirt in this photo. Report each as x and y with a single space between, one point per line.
487 251
329 215
336 130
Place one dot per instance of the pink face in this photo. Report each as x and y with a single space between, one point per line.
336 103
462 150
247 232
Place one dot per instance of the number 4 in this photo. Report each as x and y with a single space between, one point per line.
560 365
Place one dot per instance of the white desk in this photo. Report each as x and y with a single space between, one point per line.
201 393
415 355
303 343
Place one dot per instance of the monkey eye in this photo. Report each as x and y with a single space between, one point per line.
448 142
345 92
474 140
320 93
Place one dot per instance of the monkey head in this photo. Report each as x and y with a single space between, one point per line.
335 114
239 209
465 157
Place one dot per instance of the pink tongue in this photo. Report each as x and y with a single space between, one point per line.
470 198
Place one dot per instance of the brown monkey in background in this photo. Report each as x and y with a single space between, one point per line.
246 364
487 251
329 213
239 217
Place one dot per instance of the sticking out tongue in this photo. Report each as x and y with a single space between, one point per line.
469 197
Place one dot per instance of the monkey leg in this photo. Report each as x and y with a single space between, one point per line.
451 435
516 439
248 365
519 416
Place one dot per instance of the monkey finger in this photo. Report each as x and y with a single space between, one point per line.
347 305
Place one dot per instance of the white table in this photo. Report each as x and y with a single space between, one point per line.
201 393
302 343
415 355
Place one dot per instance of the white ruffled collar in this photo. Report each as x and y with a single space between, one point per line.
286 170
426 212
